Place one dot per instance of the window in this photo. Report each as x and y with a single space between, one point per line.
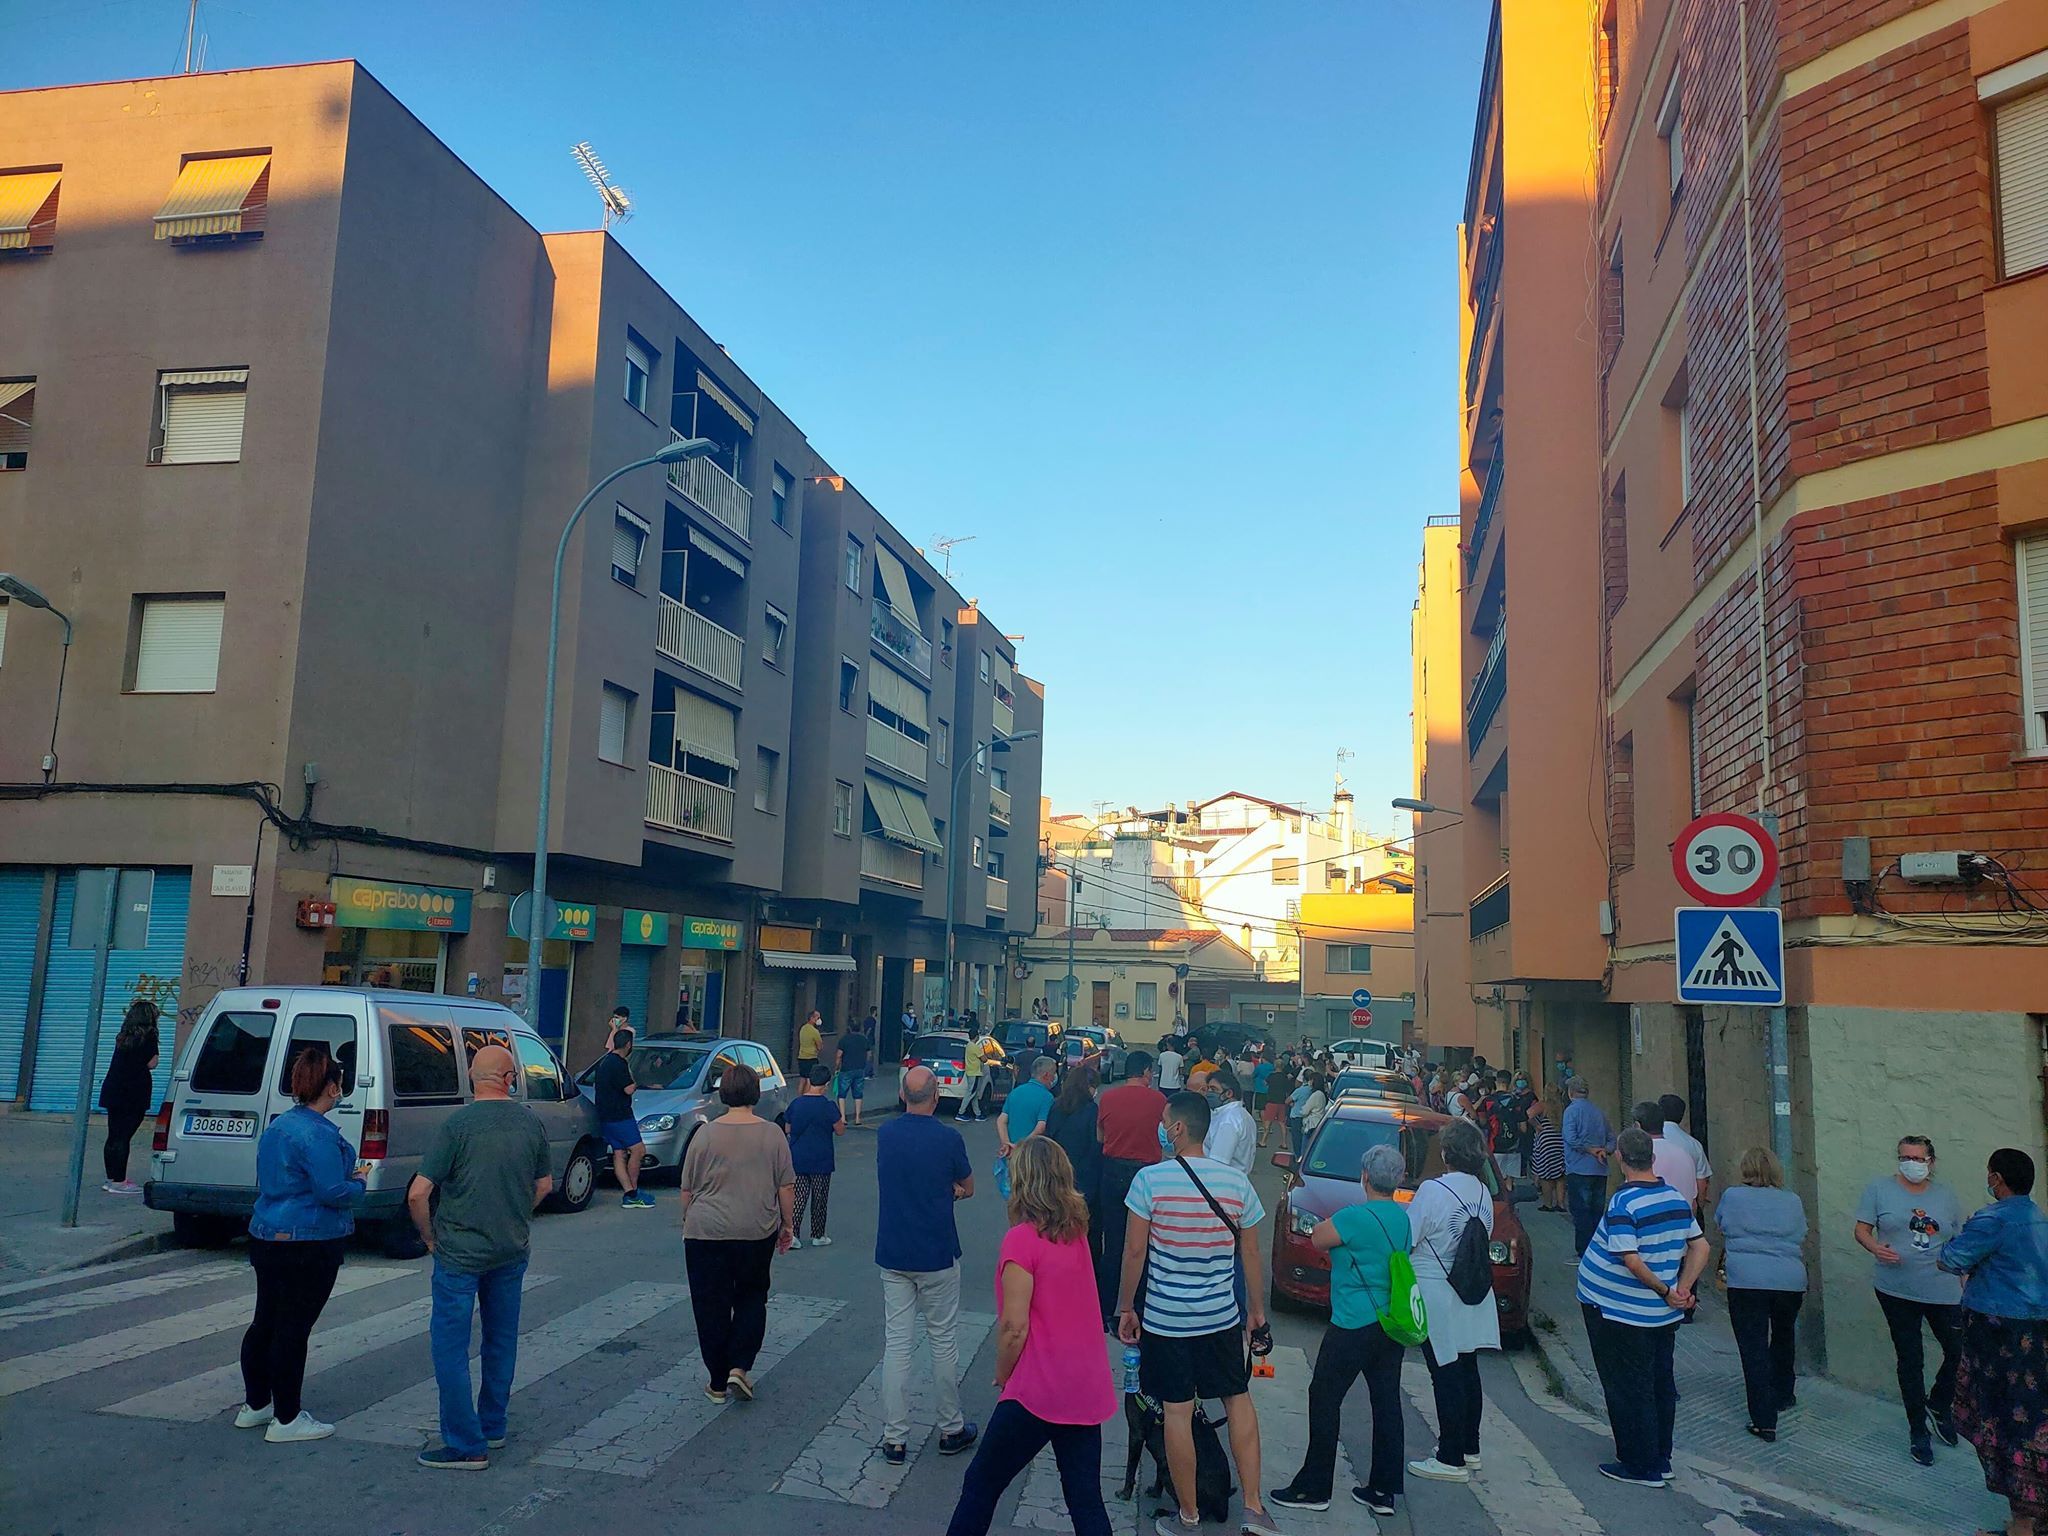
236 1051
542 1072
177 644
849 683
17 416
946 641
1000 777
640 360
984 666
475 1038
3 631
1669 132
422 1061
940 737
199 416
1148 1000
781 488
995 864
614 723
28 209
842 809
1692 751
629 546
767 765
217 199
336 1032
1347 959
1608 61
852 564
778 636
1286 871
981 757
2020 154
1612 314
2032 557
939 828
977 850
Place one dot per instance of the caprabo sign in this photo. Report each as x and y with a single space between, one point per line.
389 904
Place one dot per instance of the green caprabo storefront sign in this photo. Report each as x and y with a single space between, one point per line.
389 904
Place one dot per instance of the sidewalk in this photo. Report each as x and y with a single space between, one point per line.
1839 1443
34 1149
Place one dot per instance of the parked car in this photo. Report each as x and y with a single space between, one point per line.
1086 1040
1327 1180
678 1077
1373 1085
404 1069
1011 1033
1375 1054
946 1054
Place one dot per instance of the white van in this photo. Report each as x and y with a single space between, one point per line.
405 1068
1375 1054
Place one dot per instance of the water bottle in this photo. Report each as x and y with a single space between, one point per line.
1130 1368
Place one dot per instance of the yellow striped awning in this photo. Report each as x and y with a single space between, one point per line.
24 198
210 195
12 390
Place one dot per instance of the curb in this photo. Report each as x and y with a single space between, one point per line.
141 1246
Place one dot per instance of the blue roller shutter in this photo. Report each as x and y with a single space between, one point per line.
154 971
634 963
21 901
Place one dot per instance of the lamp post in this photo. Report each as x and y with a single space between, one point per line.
537 916
996 744
31 597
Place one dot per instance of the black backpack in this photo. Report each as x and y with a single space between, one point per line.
1471 1268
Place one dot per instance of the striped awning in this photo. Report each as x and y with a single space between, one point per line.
707 728
797 960
210 195
896 583
12 390
206 376
25 202
704 544
725 402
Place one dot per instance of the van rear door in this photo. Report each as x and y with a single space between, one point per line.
222 1104
335 1022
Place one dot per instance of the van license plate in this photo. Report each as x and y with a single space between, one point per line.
220 1125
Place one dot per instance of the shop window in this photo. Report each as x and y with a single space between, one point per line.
640 361
842 809
176 644
335 1033
236 1051
199 416
17 420
423 1062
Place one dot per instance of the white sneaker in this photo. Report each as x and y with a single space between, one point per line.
304 1427
821 1242
1472 1462
1430 1467
125 1187
795 1243
254 1418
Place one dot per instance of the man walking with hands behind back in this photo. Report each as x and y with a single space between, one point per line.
489 1166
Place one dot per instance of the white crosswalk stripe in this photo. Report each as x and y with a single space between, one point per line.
195 1399
72 1277
28 1371
635 1436
46 1309
1517 1487
843 1463
408 1417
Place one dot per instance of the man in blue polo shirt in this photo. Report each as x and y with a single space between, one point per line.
1635 1287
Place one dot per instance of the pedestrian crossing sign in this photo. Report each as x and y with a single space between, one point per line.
1731 955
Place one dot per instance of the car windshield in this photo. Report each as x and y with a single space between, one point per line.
1340 1147
668 1066
938 1048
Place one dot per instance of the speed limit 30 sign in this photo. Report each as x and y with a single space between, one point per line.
1725 860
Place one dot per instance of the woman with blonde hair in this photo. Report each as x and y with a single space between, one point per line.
1050 1363
1763 1226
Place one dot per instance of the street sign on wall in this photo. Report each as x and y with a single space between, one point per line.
1731 955
1724 860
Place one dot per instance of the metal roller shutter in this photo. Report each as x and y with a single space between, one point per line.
775 1012
203 426
635 964
2022 158
67 993
21 900
178 650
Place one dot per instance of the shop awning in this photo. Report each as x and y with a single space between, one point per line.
209 196
725 402
705 545
793 960
707 728
27 201
895 582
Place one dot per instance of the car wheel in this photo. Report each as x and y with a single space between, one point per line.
193 1230
579 1181
1280 1301
1517 1338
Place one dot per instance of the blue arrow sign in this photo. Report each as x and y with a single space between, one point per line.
1361 998
1731 955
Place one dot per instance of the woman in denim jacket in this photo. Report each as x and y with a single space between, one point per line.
307 1176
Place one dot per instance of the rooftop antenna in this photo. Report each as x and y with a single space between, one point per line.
617 206
1344 755
945 549
191 27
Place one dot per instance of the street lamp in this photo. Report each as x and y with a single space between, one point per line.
536 918
31 597
996 744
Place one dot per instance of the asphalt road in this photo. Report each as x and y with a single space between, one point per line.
117 1385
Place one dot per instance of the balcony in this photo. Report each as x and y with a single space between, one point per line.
881 859
998 894
716 492
685 635
1489 691
1489 508
1490 908
1485 312
896 751
998 806
1005 717
898 634
677 802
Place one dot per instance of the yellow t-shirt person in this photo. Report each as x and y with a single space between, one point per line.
808 1042
975 1049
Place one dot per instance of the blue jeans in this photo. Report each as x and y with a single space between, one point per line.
466 1422
1586 1195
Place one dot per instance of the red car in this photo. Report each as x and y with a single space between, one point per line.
1328 1180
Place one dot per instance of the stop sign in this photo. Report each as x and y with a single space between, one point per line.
1361 1018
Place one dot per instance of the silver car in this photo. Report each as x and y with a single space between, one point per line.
678 1077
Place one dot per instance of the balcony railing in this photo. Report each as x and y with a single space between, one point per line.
893 749
1489 507
998 894
1490 908
998 805
1489 690
884 860
681 803
685 635
1484 296
1005 718
898 634
716 492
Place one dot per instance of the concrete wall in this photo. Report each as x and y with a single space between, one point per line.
1443 951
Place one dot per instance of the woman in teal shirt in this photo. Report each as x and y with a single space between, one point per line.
1359 1239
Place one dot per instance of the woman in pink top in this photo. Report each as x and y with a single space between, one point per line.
1051 1363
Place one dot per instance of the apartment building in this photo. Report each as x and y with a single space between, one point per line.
1821 523
1352 942
1443 1014
293 408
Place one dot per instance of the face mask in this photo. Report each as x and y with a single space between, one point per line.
1990 1191
1213 1095
1521 1084
1913 1170
1165 1142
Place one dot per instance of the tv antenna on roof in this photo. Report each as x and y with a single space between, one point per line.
945 549
617 206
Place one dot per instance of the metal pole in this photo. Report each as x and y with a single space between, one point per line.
1777 1045
536 919
1073 900
57 711
88 1061
952 864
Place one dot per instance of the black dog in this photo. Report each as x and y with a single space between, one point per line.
1147 1432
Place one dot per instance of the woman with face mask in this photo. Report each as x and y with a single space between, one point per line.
1902 1220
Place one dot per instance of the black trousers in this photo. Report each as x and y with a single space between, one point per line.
1764 1332
293 1282
1642 1395
1945 1321
1346 1354
1117 1173
1013 1437
1459 1402
121 1129
729 1295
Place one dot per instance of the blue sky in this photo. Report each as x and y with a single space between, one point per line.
1154 301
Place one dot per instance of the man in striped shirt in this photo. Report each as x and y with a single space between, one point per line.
1635 1287
1191 1339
